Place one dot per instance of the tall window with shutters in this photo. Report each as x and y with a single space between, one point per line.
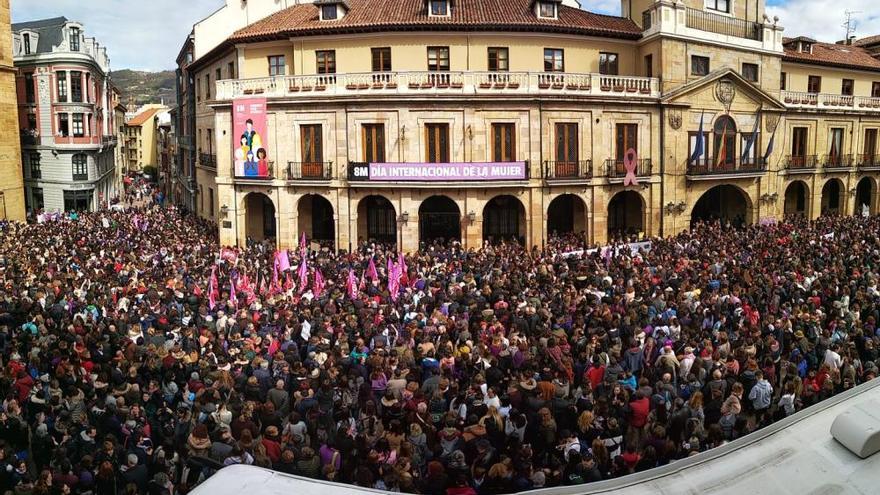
626 138
503 143
437 143
869 149
312 149
835 147
374 143
799 146
567 153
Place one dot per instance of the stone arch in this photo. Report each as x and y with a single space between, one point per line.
504 218
377 219
866 192
726 202
626 214
797 199
567 214
315 217
832 197
261 221
439 219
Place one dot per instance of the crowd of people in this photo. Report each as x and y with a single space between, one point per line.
139 357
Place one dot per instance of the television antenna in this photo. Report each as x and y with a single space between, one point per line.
849 24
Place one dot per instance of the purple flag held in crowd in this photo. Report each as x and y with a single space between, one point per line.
283 260
371 271
352 284
303 272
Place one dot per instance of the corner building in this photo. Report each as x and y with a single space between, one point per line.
411 120
66 117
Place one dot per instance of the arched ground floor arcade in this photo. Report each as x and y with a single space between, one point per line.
412 217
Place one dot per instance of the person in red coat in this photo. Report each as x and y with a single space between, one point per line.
271 441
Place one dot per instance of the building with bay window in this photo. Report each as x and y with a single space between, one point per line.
410 121
66 116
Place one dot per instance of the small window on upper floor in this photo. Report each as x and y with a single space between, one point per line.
805 47
699 65
547 10
718 5
74 39
26 38
846 87
875 89
438 8
750 72
782 81
329 12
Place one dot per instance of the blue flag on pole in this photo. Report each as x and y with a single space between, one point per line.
770 146
751 140
698 147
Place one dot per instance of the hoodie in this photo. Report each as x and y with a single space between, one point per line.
761 394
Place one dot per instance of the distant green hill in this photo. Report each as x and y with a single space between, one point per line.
145 87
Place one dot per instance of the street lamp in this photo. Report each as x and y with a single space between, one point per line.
224 210
403 218
471 216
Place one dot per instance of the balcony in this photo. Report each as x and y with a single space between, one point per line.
29 139
208 160
867 161
463 174
837 162
615 169
309 171
825 101
249 174
724 25
677 19
800 164
708 168
567 172
431 84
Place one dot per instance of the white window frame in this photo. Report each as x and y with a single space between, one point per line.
541 4
431 10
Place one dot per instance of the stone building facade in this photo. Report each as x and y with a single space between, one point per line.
12 204
375 117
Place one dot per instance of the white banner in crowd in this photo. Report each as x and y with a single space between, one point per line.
634 248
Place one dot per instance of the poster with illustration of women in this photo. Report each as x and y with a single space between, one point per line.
250 149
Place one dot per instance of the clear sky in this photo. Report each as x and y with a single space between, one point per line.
147 34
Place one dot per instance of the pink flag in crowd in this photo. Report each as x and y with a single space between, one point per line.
283 260
303 275
302 246
212 289
352 284
233 297
374 275
229 255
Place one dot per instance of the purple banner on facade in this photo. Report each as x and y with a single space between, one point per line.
437 172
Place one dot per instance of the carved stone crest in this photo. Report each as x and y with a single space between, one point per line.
725 91
771 120
675 118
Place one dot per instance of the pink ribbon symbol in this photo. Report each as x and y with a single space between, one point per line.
630 162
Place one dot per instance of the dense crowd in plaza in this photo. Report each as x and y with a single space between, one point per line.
139 357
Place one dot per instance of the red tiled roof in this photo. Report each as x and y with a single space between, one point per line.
870 40
142 117
833 55
399 15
